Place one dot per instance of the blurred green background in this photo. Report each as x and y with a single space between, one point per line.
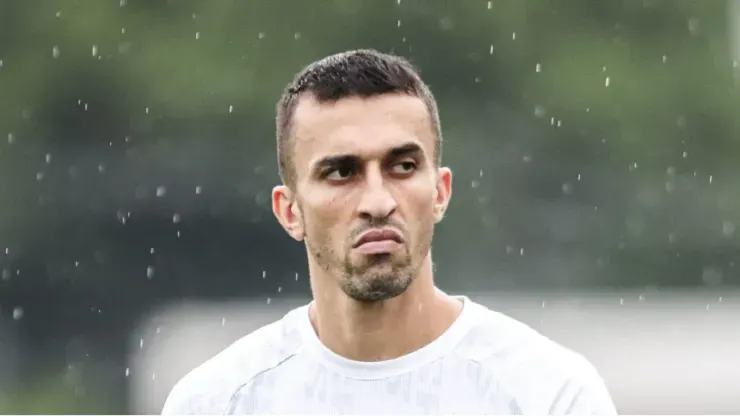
594 146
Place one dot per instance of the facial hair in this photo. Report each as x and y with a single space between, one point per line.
375 277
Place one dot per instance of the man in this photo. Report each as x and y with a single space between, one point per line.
359 149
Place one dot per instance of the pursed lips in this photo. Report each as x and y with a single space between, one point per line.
378 241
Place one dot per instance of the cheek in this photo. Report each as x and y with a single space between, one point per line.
326 217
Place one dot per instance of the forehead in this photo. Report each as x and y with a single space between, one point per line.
365 127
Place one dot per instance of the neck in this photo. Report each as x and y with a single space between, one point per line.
376 331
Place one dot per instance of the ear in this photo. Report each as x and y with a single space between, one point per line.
287 211
443 193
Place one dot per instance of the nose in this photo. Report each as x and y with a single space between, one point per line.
377 201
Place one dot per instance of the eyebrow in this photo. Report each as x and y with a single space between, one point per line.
407 149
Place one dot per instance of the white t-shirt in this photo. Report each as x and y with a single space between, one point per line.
485 363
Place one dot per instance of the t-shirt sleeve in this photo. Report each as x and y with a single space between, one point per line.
586 396
178 402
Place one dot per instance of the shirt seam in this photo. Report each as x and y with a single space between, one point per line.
251 379
501 385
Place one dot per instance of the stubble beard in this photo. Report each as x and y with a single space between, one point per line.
377 277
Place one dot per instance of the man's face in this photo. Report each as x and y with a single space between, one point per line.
368 192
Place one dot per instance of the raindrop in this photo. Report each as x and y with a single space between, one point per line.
526 159
513 35
490 5
17 313
398 23
474 184
197 35
543 304
58 14
198 190
607 81
151 250
176 218
11 138
39 176
161 191
538 67
7 250
665 58
123 30
146 110
150 272
77 264
490 50
141 342
101 168
521 251
296 277
264 274
95 50
578 178
693 25
539 111
231 109
297 35
567 188
178 234
711 276
6 274
398 2
260 35
269 300
685 155
47 158
621 301
280 289
728 229
55 52
223 321
122 3
710 178
128 372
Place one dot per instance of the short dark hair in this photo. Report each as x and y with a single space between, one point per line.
356 73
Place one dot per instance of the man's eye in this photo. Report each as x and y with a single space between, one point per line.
340 173
404 167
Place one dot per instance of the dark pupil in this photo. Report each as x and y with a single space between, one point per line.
344 170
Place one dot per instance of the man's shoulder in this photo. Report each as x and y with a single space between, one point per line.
207 389
496 337
531 365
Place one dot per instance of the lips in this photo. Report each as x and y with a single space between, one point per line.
374 236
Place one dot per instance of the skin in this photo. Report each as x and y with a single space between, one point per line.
363 164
